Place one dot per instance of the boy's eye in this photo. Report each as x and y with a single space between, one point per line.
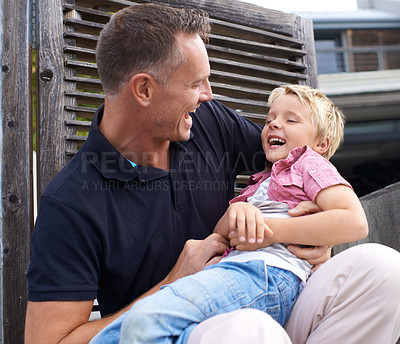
291 120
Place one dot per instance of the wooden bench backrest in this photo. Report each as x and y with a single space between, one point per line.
252 50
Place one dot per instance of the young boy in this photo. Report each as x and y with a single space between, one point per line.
303 129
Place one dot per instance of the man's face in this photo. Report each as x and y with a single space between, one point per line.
184 91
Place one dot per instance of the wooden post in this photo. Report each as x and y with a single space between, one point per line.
304 31
15 164
51 116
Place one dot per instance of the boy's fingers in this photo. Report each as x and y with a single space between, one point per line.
251 229
260 230
232 222
241 226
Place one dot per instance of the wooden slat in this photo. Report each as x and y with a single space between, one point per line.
16 168
238 91
256 47
79 125
84 26
82 54
250 33
254 70
89 14
76 138
244 80
256 59
242 104
87 97
85 112
255 117
81 67
83 39
110 5
86 84
241 13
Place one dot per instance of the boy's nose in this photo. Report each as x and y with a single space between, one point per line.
275 124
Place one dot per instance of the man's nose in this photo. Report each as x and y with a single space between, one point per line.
206 92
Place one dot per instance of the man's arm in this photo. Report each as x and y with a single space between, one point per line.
51 322
61 322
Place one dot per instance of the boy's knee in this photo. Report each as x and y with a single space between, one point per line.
136 325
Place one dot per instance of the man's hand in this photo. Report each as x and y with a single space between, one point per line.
196 255
314 255
304 208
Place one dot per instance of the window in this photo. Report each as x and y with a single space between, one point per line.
329 59
357 50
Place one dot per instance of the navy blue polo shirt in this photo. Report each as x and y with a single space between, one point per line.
111 231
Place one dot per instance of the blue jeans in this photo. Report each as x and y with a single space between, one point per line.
169 315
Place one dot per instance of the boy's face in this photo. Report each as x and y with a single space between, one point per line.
287 126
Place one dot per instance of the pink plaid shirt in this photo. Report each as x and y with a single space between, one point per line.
297 178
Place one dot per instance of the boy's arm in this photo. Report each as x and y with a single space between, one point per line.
342 220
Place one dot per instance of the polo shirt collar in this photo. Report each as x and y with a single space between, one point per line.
112 165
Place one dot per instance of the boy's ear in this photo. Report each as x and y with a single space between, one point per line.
322 146
142 86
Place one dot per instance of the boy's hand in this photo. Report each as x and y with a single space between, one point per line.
246 222
245 246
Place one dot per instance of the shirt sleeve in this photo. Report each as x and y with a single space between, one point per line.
318 174
65 251
242 139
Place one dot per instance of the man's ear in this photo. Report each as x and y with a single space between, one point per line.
322 146
141 86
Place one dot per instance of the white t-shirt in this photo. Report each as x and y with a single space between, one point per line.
275 255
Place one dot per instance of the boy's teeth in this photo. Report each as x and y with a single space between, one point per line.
276 141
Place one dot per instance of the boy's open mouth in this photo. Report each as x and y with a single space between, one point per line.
275 141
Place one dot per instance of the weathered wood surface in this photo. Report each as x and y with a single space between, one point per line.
241 13
15 162
383 214
52 89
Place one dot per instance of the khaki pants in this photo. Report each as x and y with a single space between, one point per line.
354 298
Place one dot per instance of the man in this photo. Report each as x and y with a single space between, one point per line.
157 169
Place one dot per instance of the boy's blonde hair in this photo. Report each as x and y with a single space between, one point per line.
327 119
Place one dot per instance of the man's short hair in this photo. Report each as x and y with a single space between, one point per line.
141 39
